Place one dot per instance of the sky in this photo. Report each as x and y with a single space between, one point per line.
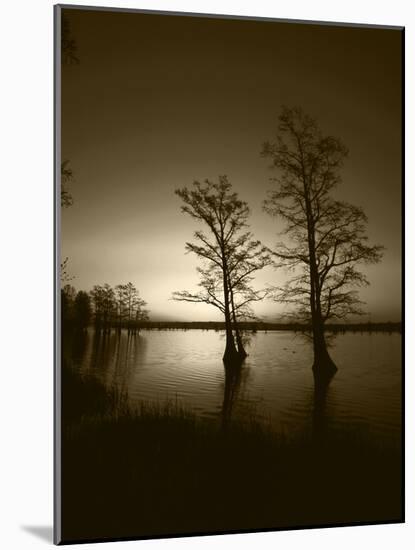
157 102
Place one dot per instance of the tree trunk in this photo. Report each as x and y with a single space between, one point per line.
323 365
241 350
231 354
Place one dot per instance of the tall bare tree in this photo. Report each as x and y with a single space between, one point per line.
230 256
327 236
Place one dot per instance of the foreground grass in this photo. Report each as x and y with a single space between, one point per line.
161 470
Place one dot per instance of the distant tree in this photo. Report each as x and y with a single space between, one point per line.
130 300
135 308
229 253
121 302
327 236
118 308
103 301
141 314
108 306
82 310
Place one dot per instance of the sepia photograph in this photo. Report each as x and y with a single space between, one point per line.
229 234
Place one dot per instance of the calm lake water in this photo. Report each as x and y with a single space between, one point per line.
276 382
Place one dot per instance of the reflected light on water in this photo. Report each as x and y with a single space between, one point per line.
276 381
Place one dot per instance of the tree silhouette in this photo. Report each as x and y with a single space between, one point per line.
118 308
230 256
327 236
121 305
135 308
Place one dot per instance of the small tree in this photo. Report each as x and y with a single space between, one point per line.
327 236
141 314
229 253
103 300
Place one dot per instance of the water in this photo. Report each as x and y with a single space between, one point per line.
276 382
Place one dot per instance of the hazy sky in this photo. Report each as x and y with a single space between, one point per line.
159 101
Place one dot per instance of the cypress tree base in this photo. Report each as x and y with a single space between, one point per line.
324 368
233 359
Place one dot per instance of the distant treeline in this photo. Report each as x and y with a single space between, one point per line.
104 307
255 326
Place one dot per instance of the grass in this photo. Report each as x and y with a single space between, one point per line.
159 469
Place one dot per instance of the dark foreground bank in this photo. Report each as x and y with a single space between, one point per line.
160 470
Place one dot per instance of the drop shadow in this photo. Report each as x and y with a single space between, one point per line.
43 532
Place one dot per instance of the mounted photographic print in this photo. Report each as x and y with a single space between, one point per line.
229 274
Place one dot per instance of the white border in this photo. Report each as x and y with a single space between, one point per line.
26 231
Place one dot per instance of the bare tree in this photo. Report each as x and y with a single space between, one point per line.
327 236
118 308
104 305
229 253
121 305
135 308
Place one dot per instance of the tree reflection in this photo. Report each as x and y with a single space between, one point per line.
114 357
233 376
320 417
79 346
130 351
103 347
